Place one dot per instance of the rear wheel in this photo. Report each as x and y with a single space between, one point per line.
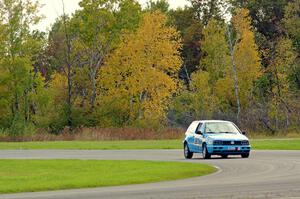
205 153
187 153
245 155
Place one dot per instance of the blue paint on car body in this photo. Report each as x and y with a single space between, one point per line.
215 137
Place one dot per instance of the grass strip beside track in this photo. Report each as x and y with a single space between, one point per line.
42 175
276 144
257 144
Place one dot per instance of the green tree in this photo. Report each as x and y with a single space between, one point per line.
20 83
90 34
98 27
94 29
266 17
292 20
273 21
205 10
216 59
281 67
201 101
128 16
160 5
292 24
191 32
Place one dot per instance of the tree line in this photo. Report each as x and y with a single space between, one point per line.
113 64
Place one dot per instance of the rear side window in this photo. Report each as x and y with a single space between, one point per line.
199 127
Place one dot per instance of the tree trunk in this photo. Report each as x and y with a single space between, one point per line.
287 118
94 89
140 113
236 91
69 70
235 78
143 96
94 69
187 74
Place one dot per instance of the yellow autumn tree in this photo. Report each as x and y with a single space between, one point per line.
236 87
246 55
140 76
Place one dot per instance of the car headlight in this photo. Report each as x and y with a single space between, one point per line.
210 142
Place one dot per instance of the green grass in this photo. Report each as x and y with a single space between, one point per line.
276 144
259 144
43 175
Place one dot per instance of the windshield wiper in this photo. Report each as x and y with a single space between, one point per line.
228 132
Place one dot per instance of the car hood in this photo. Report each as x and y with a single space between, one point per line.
227 136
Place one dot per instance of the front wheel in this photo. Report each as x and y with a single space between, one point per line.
187 153
224 156
205 153
245 155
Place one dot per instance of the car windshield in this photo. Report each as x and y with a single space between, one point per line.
220 127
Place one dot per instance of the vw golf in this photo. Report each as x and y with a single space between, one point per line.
215 137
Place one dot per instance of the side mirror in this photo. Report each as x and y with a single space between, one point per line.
199 132
244 133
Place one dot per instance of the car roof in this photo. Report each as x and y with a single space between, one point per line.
207 121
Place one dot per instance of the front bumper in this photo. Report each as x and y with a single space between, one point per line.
228 150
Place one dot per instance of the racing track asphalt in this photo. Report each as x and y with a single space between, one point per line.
266 174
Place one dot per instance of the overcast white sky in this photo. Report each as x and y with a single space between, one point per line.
53 8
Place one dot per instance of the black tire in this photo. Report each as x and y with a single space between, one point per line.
224 156
205 153
187 153
245 155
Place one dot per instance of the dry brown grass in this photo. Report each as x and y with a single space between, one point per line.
127 133
100 134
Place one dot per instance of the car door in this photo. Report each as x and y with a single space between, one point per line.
190 136
198 139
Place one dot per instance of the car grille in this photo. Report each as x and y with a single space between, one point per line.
245 142
220 142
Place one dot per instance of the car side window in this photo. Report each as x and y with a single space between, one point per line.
198 127
203 128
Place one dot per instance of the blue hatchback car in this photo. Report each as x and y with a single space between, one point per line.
215 137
